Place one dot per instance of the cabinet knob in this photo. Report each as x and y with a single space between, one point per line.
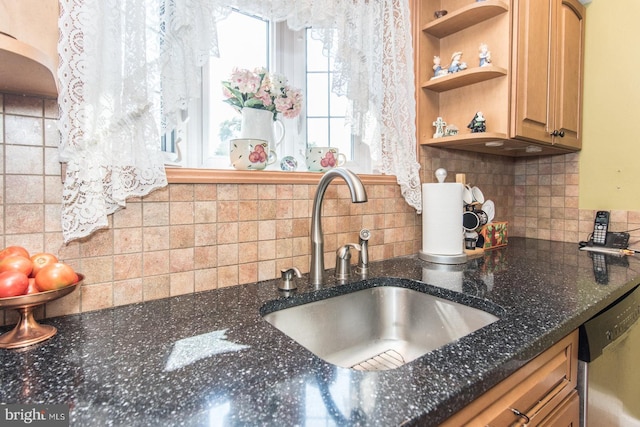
558 133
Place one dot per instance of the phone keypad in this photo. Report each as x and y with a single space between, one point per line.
599 233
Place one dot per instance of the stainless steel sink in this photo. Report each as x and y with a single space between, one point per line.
378 328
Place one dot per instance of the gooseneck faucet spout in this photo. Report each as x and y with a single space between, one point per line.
358 195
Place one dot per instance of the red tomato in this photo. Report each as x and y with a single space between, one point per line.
55 276
13 283
16 263
14 250
40 260
32 289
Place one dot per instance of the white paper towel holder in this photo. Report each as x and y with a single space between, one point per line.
450 259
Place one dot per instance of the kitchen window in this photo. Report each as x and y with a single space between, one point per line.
109 94
246 41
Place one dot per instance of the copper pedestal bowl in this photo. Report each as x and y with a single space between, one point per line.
28 331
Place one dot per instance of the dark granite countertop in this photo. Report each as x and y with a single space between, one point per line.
210 359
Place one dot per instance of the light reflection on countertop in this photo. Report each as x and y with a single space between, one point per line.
189 350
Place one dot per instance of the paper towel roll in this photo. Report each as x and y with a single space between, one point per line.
442 233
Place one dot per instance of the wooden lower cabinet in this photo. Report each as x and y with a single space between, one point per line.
541 393
567 414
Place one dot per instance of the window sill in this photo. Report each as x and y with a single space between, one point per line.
216 176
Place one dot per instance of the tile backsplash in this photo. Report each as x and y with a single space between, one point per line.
183 238
187 238
547 206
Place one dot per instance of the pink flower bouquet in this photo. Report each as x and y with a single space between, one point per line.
264 91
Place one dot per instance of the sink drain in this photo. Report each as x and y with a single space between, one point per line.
384 361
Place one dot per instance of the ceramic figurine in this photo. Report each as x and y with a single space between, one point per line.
485 55
439 124
451 130
439 13
478 124
438 71
436 66
456 63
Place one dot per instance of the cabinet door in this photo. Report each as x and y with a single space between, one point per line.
548 72
567 414
533 71
538 390
569 42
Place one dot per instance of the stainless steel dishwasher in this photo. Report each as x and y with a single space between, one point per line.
609 366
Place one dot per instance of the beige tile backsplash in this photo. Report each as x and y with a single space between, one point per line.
193 237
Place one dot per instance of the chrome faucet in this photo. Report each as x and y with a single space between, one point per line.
358 195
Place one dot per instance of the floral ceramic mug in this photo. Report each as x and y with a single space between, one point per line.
321 159
250 154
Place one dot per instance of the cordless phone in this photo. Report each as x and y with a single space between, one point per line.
600 227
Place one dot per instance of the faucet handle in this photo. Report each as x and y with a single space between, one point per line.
344 252
287 283
343 260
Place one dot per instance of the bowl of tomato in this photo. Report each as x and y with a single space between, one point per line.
26 282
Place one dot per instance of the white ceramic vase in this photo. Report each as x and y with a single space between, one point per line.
259 124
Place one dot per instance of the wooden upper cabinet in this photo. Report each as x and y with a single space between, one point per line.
530 94
548 73
569 72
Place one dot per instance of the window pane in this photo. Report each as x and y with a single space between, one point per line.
244 43
316 61
317 94
325 110
250 42
338 103
318 132
340 136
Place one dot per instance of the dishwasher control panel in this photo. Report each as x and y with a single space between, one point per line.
609 325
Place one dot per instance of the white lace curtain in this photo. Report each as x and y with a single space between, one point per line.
115 64
108 114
